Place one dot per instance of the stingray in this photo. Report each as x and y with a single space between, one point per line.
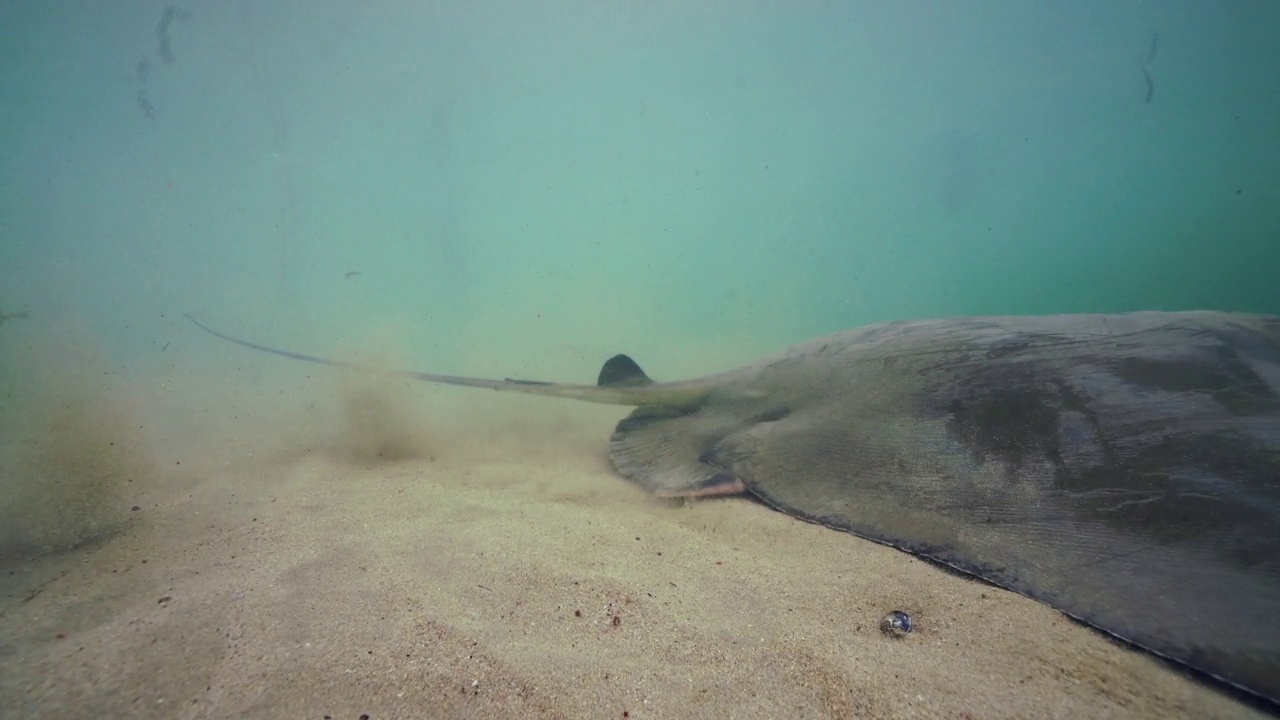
1123 469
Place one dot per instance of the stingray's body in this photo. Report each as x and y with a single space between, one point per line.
1124 469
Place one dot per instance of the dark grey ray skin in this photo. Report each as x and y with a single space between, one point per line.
1124 469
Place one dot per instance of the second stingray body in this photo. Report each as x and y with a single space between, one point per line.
1124 469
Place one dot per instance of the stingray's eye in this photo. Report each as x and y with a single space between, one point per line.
896 624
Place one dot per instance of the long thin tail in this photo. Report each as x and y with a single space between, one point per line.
624 395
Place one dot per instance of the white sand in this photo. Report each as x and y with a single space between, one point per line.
503 570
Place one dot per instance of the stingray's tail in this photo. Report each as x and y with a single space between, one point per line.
621 380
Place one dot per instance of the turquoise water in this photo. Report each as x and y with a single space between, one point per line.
522 189
533 188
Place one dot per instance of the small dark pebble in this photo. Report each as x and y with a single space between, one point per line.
135 508
164 599
896 624
577 613
617 621
364 716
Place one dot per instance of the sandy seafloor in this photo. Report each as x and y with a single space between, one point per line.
397 551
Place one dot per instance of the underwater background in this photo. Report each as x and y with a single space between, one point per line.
569 179
521 190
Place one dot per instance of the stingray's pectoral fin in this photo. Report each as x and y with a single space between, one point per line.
660 448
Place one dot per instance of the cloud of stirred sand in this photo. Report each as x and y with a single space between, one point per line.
80 447
72 449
